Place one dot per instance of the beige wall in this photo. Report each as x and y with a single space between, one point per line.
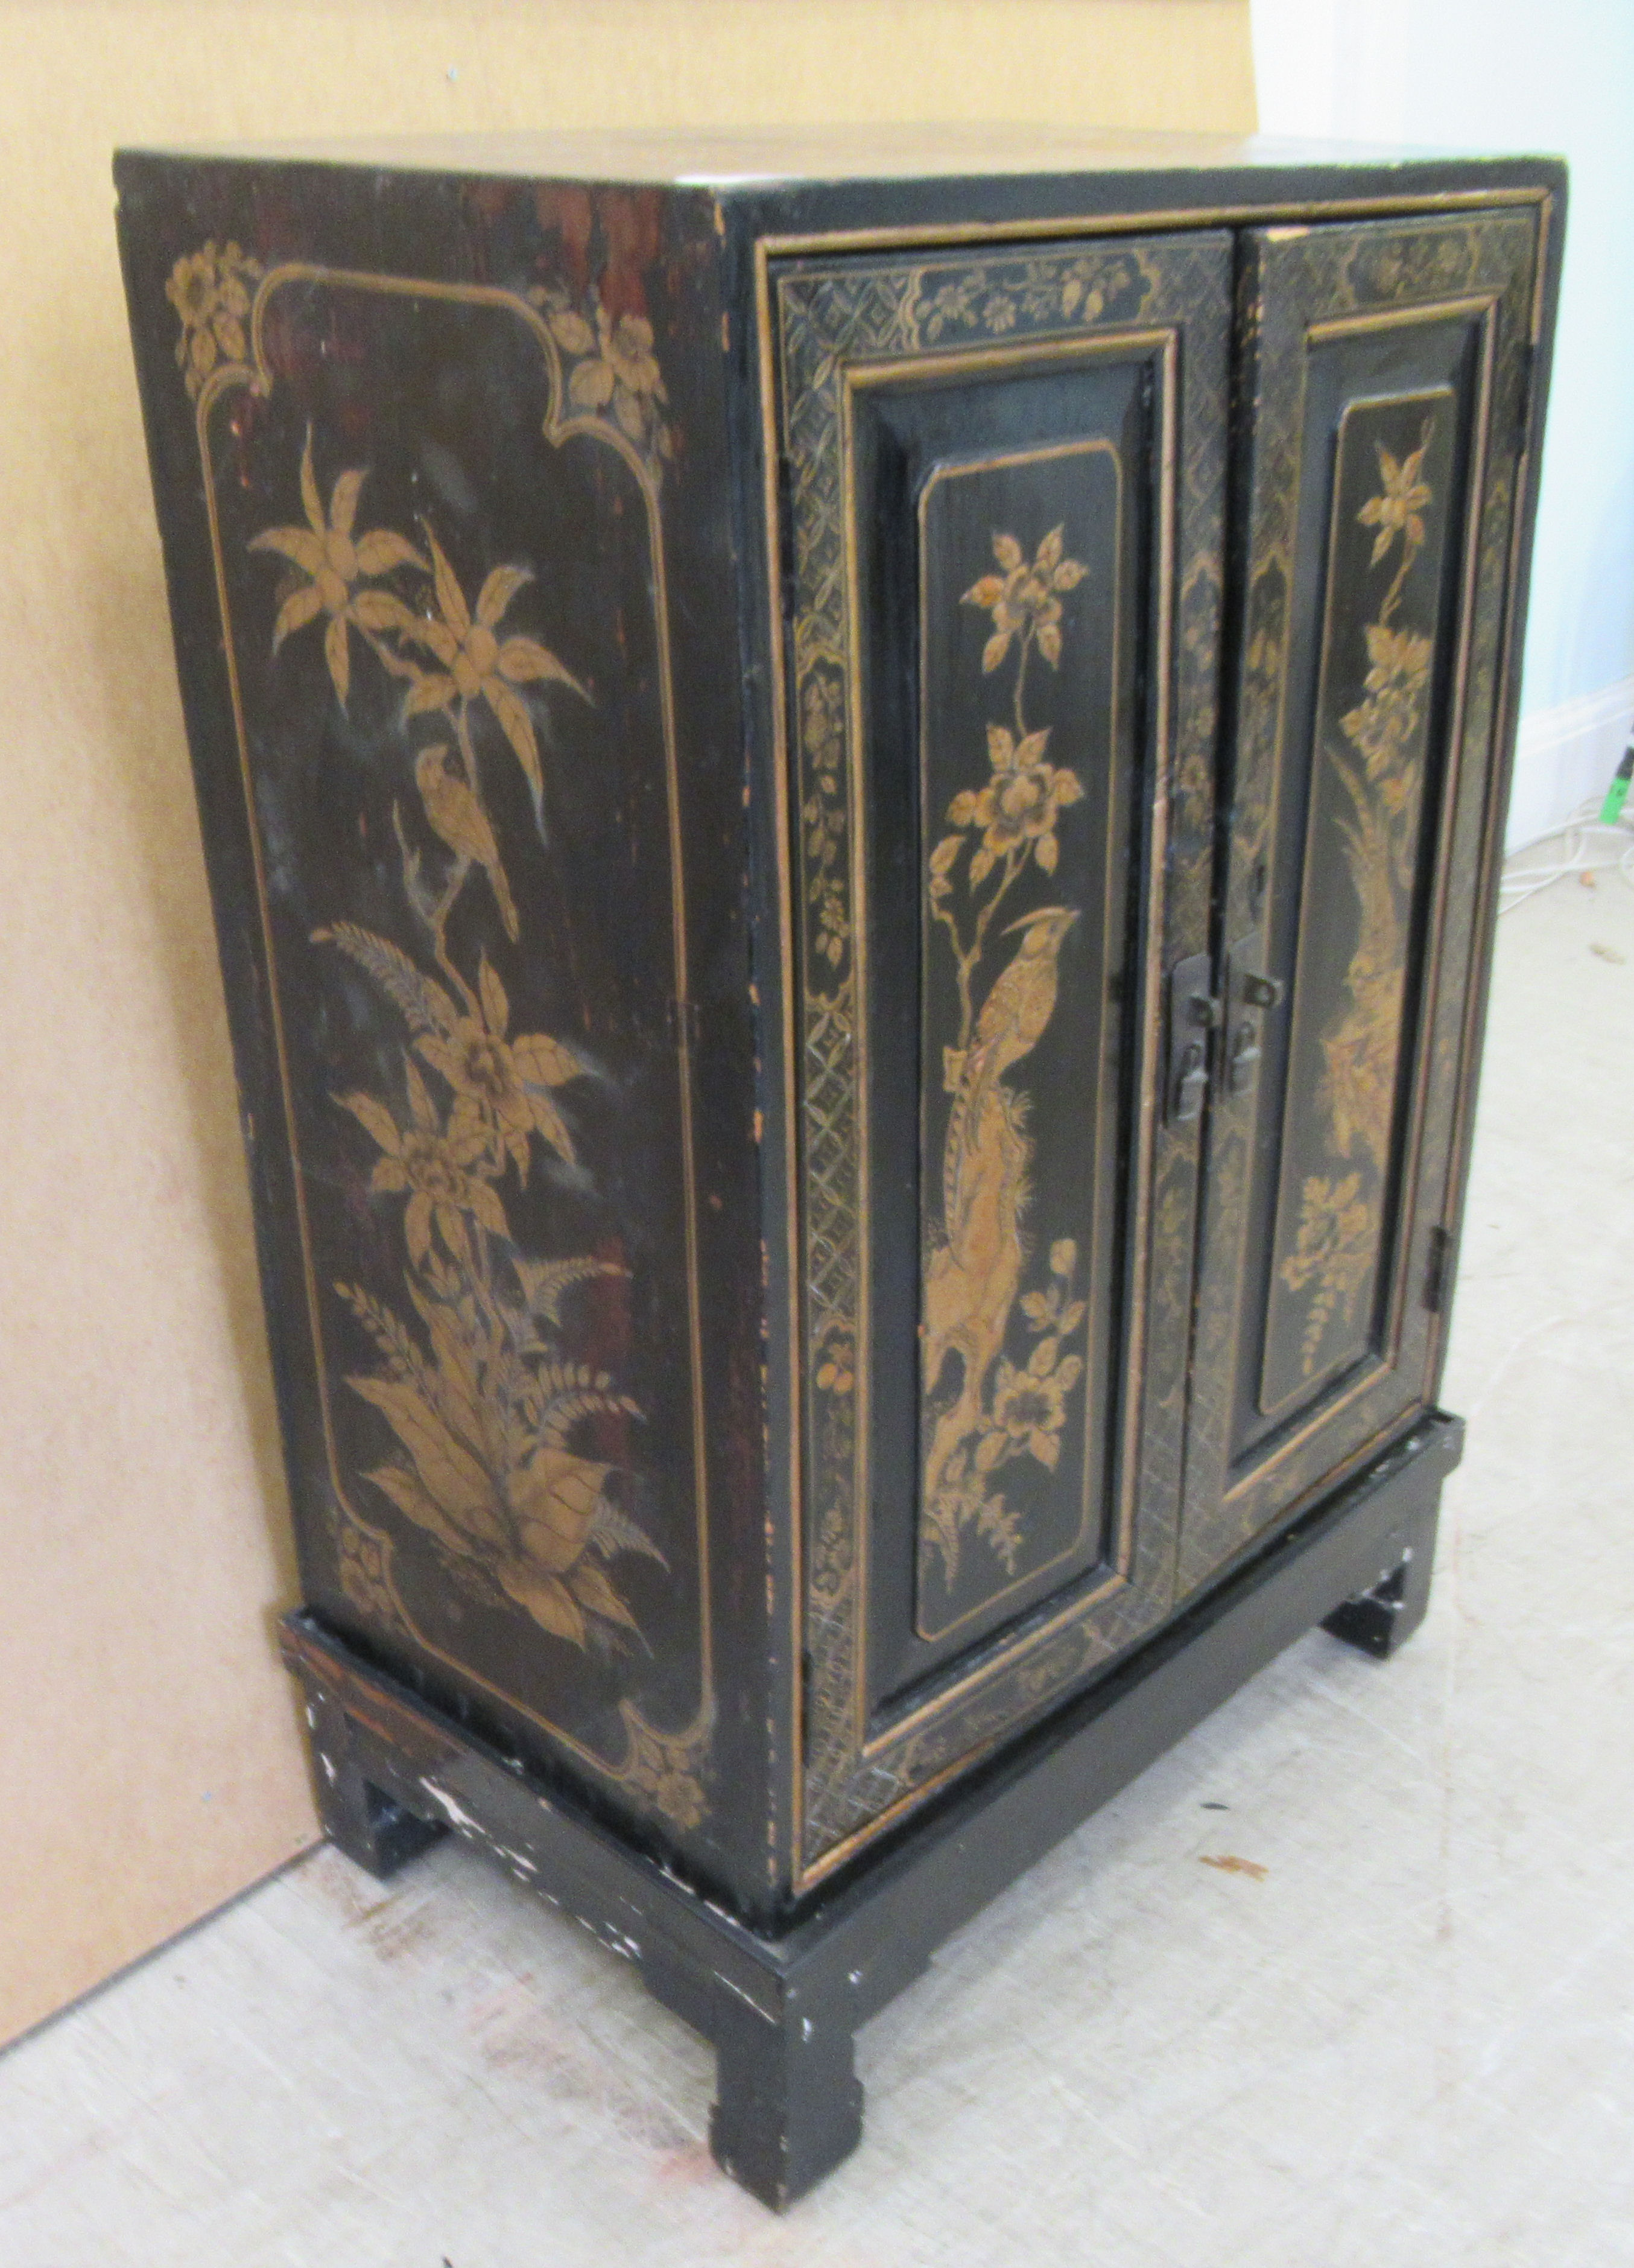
149 1764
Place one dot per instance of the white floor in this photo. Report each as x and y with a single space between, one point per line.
1411 2040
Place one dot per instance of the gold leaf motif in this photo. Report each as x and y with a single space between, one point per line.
613 368
554 1497
1333 1255
665 1769
451 1473
547 1598
500 586
591 1589
572 332
823 813
336 565
366 1577
210 292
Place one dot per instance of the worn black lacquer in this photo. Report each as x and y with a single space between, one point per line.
717 711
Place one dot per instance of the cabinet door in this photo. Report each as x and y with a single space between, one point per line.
1005 479
1385 367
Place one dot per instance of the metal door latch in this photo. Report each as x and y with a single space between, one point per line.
1248 986
1243 1063
1193 1012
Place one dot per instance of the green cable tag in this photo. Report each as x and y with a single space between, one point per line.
1616 794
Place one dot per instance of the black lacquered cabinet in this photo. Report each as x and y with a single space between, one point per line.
852 800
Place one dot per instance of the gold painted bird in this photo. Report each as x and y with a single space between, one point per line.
453 810
1014 1016
972 1279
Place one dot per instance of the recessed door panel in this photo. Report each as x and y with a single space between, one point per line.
1396 516
1386 365
1005 481
1025 778
1004 580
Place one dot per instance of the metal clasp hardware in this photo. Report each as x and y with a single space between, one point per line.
1247 982
1193 1012
1243 1063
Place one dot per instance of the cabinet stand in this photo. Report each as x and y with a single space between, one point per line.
782 2006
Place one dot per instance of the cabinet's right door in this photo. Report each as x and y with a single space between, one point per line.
1386 367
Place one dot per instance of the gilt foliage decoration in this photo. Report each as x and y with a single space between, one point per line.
984 1410
1380 771
210 292
493 1419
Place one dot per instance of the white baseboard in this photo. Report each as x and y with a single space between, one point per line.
1563 756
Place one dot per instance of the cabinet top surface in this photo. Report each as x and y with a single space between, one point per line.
724 160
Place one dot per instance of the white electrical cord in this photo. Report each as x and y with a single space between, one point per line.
1587 847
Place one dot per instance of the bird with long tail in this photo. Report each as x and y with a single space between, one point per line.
974 1275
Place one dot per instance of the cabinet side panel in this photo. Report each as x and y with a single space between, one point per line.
435 460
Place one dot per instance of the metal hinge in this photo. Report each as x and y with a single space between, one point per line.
1523 393
1438 1270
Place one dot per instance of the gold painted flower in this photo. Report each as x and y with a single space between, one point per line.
433 1166
833 928
835 1371
823 813
1024 599
209 290
1400 510
1017 808
1053 1309
822 708
1386 720
1400 659
335 561
504 1082
678 1796
366 1573
1029 1406
617 369
478 664
1333 1245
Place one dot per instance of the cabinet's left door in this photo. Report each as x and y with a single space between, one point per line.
1002 483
